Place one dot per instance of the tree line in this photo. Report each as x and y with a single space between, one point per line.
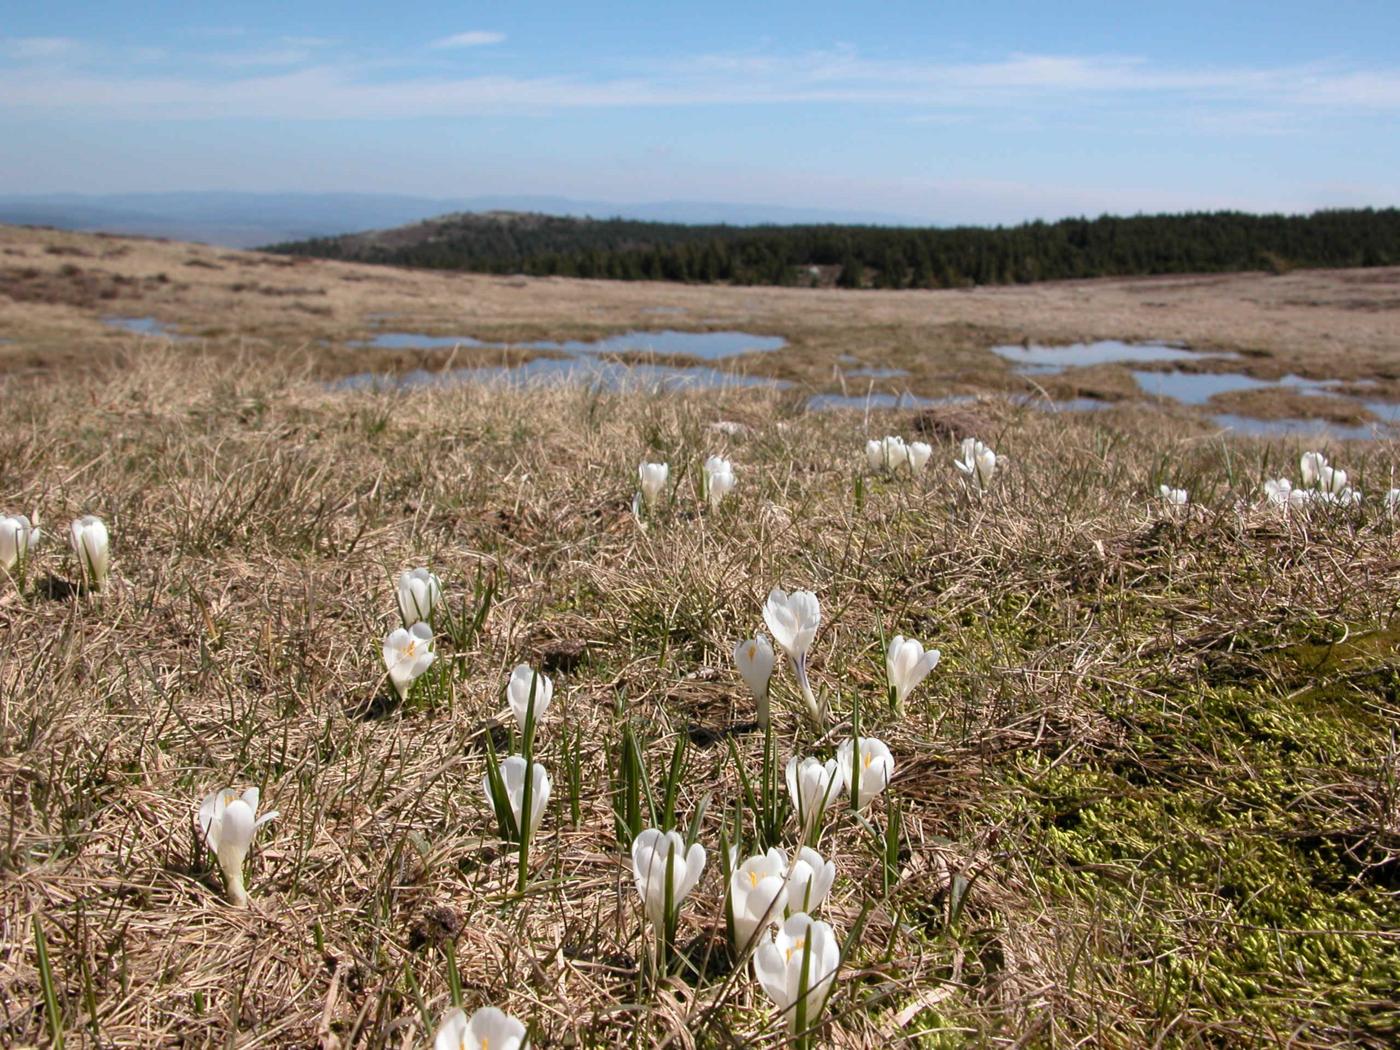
878 256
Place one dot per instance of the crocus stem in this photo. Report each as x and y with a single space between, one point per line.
763 717
813 708
233 880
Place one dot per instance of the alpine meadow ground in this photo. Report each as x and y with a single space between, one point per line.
1150 795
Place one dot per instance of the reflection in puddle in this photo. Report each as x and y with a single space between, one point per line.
708 346
1293 427
878 373
1195 388
141 326
1051 360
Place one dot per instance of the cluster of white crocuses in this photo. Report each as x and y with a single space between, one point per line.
1322 483
772 897
519 784
88 535
890 453
978 462
408 650
796 962
717 481
1173 497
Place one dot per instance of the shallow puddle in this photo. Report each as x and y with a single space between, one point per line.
708 346
1051 360
1294 427
141 326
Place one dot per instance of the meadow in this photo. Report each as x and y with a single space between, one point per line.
1150 794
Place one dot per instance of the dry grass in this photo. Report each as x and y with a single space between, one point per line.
1163 800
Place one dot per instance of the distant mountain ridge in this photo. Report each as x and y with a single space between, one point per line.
246 220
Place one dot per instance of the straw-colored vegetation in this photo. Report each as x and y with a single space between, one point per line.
1148 796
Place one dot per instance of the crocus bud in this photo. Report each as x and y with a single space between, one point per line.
653 852
754 657
513 783
408 652
1173 497
419 594
518 693
17 538
813 786
919 453
228 822
1311 464
89 536
875 454
809 880
793 619
719 479
653 480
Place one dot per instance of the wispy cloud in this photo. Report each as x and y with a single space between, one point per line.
1051 86
284 56
27 48
475 38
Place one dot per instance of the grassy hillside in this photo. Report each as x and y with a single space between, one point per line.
883 257
1147 798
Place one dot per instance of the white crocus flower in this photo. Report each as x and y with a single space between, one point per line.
487 1029
89 536
813 785
419 594
906 665
1173 497
228 821
1332 481
758 895
17 539
793 620
919 453
719 479
755 658
803 943
894 452
653 852
1345 496
1392 501
518 693
978 462
1311 465
1281 493
653 480
867 774
810 879
408 652
875 454
513 783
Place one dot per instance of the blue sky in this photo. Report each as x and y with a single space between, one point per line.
944 112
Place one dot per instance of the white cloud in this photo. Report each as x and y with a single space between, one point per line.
476 38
